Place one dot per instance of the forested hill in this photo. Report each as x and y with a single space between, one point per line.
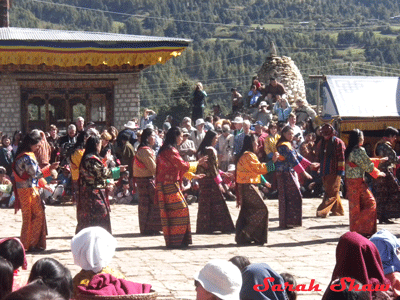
231 38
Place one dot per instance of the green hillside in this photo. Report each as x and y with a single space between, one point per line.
231 38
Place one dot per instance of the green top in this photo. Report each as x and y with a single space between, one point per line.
364 164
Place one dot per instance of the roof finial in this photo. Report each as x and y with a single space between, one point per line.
272 50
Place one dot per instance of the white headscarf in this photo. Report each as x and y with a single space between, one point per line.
93 248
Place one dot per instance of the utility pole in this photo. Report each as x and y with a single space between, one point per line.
319 77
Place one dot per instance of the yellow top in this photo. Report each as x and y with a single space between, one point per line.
270 144
249 169
76 158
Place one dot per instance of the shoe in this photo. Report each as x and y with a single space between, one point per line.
35 250
385 221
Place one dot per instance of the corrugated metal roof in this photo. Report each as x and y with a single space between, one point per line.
37 34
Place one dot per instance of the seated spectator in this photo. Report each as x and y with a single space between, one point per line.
5 187
252 98
358 258
12 250
347 293
273 90
255 274
218 279
263 114
93 249
121 190
6 277
303 111
388 245
54 275
187 148
282 109
6 154
35 291
237 100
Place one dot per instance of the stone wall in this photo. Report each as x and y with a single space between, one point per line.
126 99
126 96
10 104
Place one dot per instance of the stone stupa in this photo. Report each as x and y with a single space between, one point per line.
284 70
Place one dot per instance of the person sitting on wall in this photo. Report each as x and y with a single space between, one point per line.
273 89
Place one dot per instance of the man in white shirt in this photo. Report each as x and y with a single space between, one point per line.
198 135
298 133
225 148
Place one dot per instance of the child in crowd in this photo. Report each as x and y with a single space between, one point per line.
12 250
122 189
54 275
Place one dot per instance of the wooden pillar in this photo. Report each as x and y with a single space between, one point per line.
46 99
24 111
88 104
67 110
109 108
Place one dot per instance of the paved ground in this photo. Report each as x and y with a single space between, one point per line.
307 252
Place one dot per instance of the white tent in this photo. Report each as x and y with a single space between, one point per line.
361 96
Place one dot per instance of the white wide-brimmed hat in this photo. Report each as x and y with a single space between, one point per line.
199 122
238 120
221 278
130 125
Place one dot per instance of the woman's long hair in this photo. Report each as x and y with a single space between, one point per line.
29 140
6 277
170 138
54 275
80 140
207 142
91 146
248 144
143 138
15 133
354 141
283 138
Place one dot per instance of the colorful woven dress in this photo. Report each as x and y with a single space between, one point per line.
362 205
144 170
174 209
290 198
252 223
29 178
93 206
213 214
387 189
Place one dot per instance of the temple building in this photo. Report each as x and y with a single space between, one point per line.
53 76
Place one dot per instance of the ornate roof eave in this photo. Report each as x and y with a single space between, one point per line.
70 49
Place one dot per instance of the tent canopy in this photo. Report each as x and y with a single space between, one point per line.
361 96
